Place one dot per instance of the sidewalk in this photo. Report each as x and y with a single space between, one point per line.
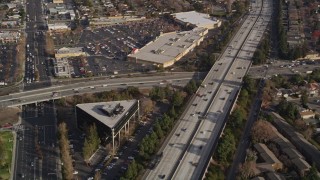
13 160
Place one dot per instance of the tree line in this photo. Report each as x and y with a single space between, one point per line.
91 142
150 144
227 144
66 158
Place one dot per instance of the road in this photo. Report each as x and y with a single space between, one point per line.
187 152
46 94
38 127
35 43
283 68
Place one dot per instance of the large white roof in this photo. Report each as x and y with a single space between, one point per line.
195 18
168 46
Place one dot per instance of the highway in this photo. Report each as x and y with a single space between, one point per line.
187 152
46 94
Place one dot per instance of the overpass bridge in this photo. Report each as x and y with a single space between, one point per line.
57 92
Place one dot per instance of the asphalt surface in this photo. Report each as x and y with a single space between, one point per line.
35 44
39 126
188 150
8 63
57 92
286 68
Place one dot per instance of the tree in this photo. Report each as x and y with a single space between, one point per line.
91 142
226 147
86 150
249 84
237 117
158 130
296 79
288 110
243 98
261 132
66 158
172 112
214 173
191 87
177 99
258 57
304 99
147 105
157 93
246 170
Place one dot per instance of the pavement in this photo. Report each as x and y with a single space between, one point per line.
58 92
39 127
187 153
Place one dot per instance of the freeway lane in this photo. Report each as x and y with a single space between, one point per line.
85 87
200 149
219 89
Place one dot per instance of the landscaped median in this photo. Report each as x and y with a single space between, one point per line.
6 150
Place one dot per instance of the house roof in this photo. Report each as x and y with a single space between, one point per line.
301 164
292 153
274 176
266 154
313 86
316 34
307 113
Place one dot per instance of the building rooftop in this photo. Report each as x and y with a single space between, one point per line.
168 46
292 153
274 176
65 50
195 18
103 111
301 164
266 154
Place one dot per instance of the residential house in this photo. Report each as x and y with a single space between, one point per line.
307 114
313 89
292 153
301 166
270 161
274 176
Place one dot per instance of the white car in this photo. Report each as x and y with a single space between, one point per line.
75 172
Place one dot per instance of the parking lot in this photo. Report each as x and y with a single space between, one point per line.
7 63
118 40
108 47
